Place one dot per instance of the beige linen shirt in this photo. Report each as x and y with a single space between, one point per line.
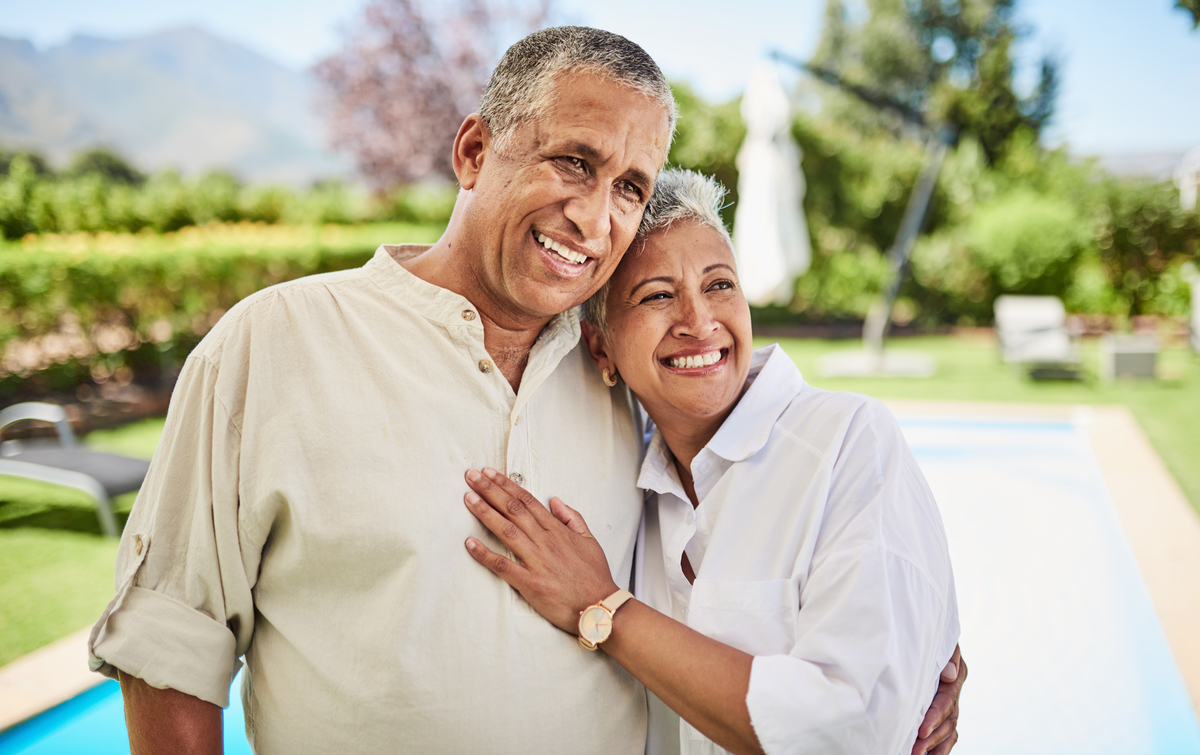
305 510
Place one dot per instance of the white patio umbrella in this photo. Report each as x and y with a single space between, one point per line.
770 234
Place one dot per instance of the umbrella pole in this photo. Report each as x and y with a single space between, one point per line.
879 318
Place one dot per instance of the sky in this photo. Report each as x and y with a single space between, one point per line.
1130 76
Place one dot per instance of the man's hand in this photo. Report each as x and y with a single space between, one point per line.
169 722
938 733
561 568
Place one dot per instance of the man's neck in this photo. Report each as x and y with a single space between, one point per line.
508 340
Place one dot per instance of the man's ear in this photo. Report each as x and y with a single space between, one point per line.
597 345
473 142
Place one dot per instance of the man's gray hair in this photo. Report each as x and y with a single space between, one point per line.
521 88
678 195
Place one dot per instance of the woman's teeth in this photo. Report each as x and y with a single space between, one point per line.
550 244
702 360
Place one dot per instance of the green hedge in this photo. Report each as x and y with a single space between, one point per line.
91 303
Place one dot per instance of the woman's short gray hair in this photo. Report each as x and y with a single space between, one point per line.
521 88
678 195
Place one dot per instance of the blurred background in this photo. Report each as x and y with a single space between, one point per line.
160 161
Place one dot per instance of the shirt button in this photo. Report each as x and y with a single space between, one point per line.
137 544
468 315
517 478
485 365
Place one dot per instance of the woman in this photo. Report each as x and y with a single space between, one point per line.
794 591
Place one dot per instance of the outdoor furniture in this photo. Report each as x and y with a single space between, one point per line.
1032 332
1128 356
64 462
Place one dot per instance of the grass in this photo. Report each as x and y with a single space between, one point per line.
56 571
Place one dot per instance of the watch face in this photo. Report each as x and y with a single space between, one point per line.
595 624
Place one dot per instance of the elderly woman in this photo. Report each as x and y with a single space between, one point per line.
794 590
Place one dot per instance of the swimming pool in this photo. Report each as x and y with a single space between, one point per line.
1065 650
94 723
1067 655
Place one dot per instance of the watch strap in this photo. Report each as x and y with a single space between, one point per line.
616 600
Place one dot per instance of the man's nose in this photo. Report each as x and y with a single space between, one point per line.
590 210
696 318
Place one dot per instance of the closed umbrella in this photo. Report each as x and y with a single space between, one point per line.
769 231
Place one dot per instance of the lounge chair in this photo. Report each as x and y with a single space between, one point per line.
64 462
1032 331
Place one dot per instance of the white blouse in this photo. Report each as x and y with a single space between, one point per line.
818 548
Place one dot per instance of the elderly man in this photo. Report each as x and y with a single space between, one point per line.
303 509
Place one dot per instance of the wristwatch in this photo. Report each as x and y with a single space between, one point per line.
596 621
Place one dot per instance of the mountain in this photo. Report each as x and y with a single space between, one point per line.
179 98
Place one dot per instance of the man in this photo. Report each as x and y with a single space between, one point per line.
304 506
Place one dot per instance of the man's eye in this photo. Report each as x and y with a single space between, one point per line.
630 191
575 164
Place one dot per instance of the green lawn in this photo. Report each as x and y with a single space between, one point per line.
56 570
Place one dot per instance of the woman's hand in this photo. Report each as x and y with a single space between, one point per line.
560 570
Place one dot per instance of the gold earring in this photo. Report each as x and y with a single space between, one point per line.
609 378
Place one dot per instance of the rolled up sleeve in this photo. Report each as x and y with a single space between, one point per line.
183 612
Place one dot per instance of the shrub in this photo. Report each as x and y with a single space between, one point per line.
80 304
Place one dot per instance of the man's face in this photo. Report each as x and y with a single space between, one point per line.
551 216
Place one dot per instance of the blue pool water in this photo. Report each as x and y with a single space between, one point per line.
94 724
1066 653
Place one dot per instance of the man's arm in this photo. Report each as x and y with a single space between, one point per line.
169 722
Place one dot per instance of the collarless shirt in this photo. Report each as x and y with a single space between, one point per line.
817 548
305 510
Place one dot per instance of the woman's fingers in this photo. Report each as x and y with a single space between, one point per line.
503 567
510 499
569 516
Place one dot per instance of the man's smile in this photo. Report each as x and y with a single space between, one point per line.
563 260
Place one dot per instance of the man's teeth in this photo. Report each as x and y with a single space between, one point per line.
702 360
560 250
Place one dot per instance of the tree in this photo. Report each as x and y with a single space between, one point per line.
404 80
949 60
105 162
1192 7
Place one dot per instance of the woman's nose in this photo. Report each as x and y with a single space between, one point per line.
696 319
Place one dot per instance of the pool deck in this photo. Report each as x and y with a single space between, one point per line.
1162 529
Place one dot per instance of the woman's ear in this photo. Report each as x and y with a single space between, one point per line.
473 142
597 345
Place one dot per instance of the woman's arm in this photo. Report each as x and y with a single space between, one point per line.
562 570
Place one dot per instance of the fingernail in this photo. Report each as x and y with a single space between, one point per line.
491 473
471 544
473 498
472 475
950 673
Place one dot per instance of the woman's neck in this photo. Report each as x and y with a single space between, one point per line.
685 443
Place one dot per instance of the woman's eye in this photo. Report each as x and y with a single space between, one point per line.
661 295
721 285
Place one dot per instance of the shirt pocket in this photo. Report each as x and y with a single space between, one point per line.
757 617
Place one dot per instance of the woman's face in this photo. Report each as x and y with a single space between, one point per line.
679 326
